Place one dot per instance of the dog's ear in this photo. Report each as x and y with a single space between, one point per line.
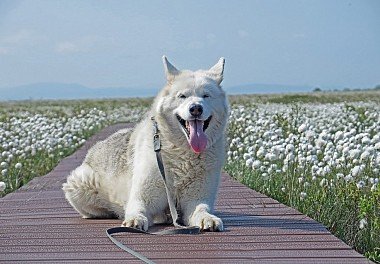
216 71
170 70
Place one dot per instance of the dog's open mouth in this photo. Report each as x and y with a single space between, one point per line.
194 131
186 126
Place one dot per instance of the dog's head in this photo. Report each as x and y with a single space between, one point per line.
193 105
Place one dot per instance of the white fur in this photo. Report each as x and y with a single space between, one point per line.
120 177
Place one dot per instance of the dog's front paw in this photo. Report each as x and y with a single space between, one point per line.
207 221
138 221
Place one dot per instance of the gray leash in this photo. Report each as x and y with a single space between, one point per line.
123 229
174 209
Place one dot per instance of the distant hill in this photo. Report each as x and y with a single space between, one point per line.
76 91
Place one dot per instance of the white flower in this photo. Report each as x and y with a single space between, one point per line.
338 135
249 162
363 223
302 128
323 182
348 178
366 140
2 186
289 148
261 152
303 195
354 154
365 155
256 164
18 165
377 146
270 156
320 143
360 184
290 157
356 171
310 135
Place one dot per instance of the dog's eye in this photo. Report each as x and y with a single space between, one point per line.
182 96
206 96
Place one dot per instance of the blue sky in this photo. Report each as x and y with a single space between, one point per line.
120 43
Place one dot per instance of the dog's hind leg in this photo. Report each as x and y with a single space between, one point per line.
82 192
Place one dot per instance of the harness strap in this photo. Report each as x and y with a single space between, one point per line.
173 207
174 211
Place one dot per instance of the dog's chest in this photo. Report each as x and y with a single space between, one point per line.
185 168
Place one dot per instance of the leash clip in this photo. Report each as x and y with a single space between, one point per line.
156 143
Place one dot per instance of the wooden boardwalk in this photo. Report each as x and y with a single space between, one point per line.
37 225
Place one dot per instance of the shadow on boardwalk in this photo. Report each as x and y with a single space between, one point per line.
297 222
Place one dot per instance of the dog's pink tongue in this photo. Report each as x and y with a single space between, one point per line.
197 139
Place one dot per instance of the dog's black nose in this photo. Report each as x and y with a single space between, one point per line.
196 110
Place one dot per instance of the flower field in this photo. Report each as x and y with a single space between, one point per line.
321 158
34 137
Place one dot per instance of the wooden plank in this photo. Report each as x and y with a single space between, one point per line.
196 260
71 236
185 255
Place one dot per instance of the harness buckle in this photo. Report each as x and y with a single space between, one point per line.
156 143
156 136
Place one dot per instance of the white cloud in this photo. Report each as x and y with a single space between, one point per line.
20 40
211 36
18 37
83 44
4 51
243 33
23 37
195 45
299 36
66 47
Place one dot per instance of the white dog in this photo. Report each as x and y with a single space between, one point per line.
120 176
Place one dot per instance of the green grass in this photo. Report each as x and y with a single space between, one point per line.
339 209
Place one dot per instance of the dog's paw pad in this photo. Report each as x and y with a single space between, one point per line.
138 221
